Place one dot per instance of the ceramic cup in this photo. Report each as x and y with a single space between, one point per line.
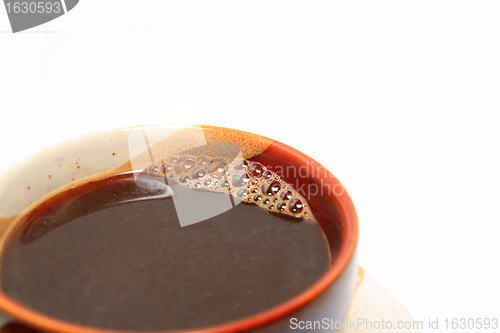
98 155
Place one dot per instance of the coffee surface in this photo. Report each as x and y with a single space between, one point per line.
112 254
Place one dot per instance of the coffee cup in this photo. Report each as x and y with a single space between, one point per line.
139 151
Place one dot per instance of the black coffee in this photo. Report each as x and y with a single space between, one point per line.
112 254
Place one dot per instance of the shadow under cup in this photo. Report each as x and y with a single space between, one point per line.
102 155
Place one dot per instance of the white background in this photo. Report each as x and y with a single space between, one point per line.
400 100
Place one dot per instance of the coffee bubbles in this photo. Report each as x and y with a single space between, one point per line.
249 181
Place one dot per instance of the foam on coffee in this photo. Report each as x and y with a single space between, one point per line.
248 181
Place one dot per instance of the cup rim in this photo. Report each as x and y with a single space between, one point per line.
346 251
